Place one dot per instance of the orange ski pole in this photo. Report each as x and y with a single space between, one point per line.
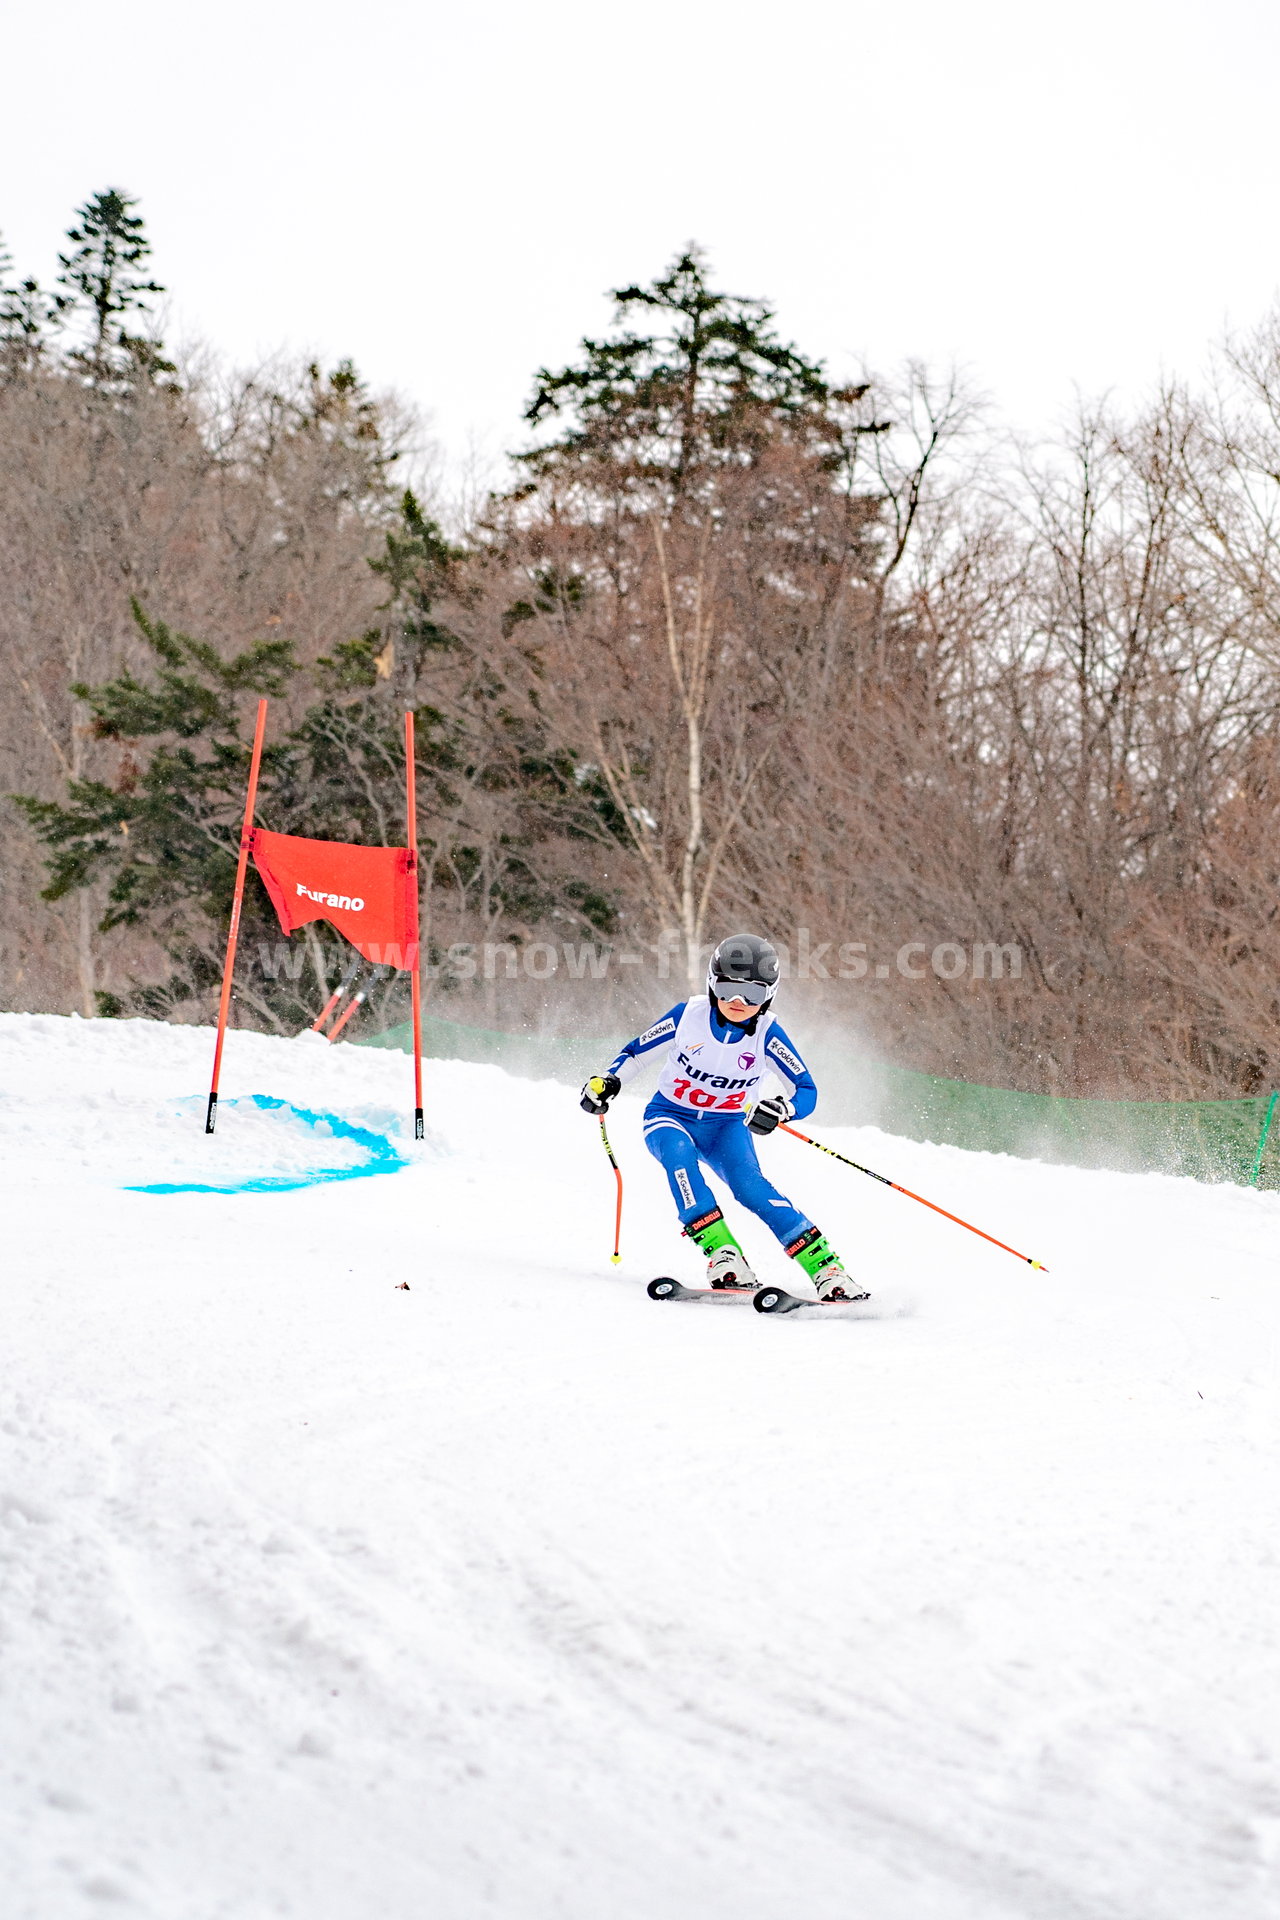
616 1255
597 1087
932 1205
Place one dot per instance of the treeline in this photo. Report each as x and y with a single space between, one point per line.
735 645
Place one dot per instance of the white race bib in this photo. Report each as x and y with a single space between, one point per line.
708 1075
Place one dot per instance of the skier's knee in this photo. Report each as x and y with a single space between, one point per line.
671 1146
762 1199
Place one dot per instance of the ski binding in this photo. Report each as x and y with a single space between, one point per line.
778 1300
665 1288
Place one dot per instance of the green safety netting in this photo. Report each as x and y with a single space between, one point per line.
1236 1140
1204 1139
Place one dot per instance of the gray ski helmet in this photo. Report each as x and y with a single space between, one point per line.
745 966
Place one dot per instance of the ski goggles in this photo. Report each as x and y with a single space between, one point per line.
754 992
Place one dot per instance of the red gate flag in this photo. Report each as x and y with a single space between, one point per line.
369 893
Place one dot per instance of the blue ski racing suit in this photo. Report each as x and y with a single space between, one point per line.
710 1078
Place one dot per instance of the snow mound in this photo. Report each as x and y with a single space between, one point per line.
262 1144
265 1145
377 1549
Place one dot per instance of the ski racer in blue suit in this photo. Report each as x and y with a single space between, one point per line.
709 1108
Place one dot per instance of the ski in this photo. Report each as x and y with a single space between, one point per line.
763 1299
664 1288
777 1300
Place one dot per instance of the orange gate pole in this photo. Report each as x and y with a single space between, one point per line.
415 977
246 842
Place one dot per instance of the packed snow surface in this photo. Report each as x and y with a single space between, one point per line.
517 1594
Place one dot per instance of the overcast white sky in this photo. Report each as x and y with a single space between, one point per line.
1053 194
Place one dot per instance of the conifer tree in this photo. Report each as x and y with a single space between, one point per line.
104 274
690 375
493 796
166 832
685 535
27 315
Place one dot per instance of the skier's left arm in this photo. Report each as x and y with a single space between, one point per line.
786 1063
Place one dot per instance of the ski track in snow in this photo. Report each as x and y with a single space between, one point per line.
517 1594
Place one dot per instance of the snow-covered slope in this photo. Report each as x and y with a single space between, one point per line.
516 1594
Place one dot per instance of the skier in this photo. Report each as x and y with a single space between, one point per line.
707 1109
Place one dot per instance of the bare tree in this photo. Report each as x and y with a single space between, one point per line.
246 507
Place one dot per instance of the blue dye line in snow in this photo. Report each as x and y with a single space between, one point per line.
383 1157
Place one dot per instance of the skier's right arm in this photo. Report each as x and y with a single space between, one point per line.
602 1087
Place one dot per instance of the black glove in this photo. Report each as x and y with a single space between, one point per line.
599 1091
767 1114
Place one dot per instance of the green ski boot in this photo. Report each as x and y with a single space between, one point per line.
822 1264
726 1262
